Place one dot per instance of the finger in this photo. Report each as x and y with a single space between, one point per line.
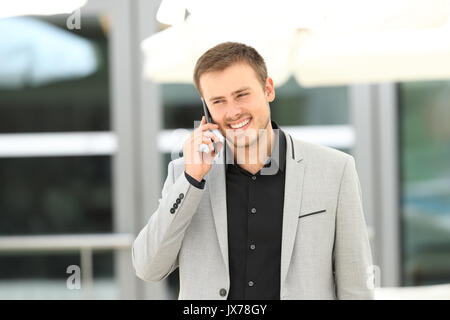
211 148
205 126
211 135
209 126
206 136
207 141
202 122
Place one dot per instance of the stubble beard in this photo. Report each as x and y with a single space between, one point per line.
255 139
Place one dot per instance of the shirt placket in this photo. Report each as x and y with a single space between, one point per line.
251 247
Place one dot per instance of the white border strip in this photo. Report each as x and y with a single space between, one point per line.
57 144
105 143
334 136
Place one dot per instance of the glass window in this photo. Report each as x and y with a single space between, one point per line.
55 195
58 83
425 181
43 275
298 106
74 103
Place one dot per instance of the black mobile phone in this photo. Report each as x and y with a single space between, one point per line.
208 120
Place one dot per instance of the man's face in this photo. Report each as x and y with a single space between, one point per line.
238 103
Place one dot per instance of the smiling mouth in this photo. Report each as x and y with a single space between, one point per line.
241 125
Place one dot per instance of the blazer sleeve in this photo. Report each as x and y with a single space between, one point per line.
352 255
155 249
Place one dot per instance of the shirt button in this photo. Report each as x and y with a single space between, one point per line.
223 292
175 205
172 210
252 247
254 177
181 196
178 200
251 284
253 210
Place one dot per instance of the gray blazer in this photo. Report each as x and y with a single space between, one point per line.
325 247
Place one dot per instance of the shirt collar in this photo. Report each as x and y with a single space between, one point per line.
278 148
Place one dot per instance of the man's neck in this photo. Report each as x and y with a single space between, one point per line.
253 158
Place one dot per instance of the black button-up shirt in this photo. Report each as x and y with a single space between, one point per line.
255 219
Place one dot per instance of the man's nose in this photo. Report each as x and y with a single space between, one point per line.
233 111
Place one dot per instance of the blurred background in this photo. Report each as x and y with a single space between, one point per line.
95 96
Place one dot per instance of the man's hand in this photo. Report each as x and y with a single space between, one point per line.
199 163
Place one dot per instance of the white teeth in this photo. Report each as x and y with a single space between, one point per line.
240 124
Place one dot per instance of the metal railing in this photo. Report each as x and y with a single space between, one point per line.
85 244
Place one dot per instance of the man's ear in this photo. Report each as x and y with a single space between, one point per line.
269 89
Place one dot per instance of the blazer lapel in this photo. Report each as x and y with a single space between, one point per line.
295 169
217 193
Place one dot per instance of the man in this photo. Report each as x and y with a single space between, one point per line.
283 224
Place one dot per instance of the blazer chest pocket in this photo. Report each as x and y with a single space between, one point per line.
306 214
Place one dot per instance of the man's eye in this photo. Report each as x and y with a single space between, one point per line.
217 101
242 94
